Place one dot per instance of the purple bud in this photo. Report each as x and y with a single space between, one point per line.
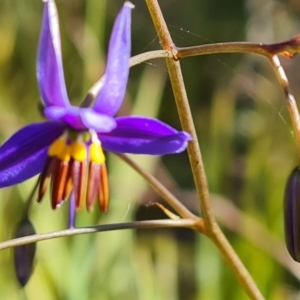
24 255
292 214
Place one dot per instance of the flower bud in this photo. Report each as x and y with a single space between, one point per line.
292 214
24 255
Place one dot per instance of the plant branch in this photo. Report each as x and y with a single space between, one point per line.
183 223
288 48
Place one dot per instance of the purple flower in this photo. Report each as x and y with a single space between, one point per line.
66 150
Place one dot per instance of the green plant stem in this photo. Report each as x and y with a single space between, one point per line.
183 223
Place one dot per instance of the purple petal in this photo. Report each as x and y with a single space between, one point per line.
50 73
81 118
24 154
111 95
141 135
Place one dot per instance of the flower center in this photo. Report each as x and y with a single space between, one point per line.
76 164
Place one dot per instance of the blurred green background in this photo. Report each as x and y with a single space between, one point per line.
245 136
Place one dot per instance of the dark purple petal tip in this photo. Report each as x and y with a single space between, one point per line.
24 255
292 214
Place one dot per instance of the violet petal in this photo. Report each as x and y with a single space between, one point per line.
24 154
111 95
50 73
140 135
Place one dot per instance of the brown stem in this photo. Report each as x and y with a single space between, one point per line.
289 48
291 102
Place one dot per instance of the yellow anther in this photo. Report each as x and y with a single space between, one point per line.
59 149
96 153
78 151
56 147
65 154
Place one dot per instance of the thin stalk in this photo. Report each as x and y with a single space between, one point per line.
291 102
183 223
288 48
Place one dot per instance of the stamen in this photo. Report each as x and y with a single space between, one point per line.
96 153
103 191
92 184
57 148
79 182
44 179
59 177
79 156
59 153
78 151
69 181
74 166
97 182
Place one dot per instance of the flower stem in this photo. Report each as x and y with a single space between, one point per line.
183 223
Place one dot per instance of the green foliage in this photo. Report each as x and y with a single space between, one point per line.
245 134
